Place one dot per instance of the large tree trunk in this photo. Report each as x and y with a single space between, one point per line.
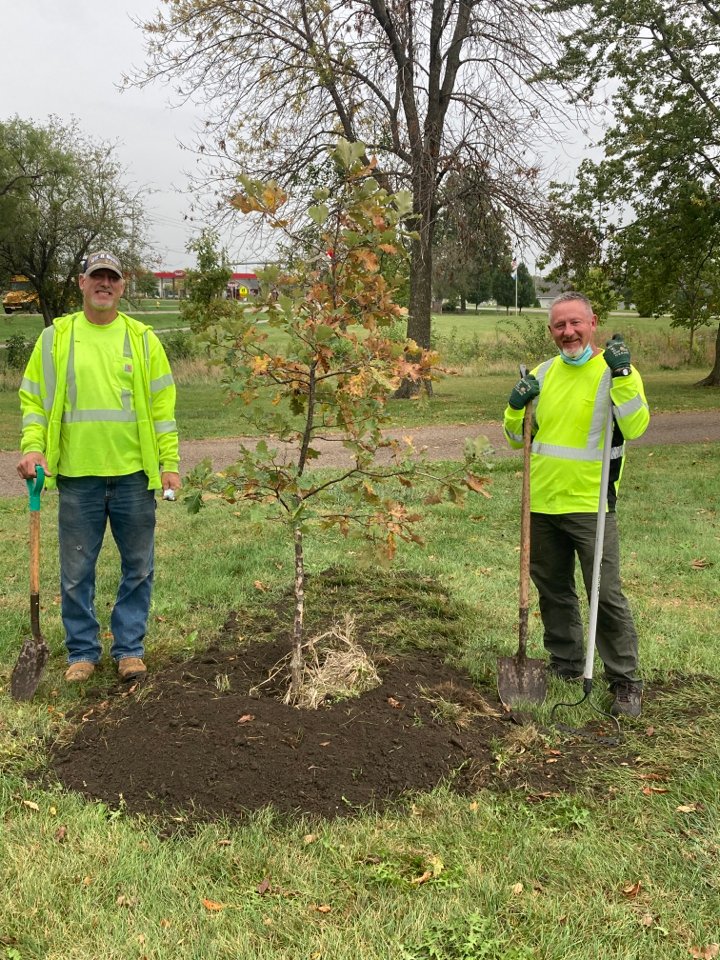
713 378
420 307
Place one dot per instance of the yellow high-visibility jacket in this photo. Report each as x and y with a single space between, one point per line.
144 401
569 421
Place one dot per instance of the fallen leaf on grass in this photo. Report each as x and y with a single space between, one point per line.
264 886
259 585
650 732
224 843
310 838
517 889
31 804
61 834
653 776
632 890
647 920
705 953
212 905
320 908
701 563
428 875
689 808
648 791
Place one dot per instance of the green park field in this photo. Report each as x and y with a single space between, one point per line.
620 862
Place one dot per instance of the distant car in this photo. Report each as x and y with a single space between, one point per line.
20 296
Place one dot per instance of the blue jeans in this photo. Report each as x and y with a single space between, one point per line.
86 504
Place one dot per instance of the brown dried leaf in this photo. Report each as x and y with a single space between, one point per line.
212 905
246 718
264 886
705 953
427 875
647 920
31 804
701 563
259 585
688 808
517 889
395 704
648 791
310 838
61 834
632 890
321 908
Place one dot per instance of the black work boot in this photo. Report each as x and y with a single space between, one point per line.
628 700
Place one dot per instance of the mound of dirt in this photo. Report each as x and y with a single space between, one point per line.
193 741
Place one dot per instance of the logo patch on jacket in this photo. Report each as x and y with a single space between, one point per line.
128 368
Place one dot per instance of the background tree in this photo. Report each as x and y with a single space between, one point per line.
664 63
471 239
61 195
526 296
328 375
503 286
206 300
431 86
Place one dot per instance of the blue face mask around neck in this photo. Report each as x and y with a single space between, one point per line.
578 361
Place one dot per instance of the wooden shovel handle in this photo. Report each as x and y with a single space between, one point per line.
525 531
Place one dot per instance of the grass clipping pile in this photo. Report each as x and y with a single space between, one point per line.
211 737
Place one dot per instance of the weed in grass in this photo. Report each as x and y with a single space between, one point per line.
473 938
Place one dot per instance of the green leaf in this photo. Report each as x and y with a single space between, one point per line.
318 214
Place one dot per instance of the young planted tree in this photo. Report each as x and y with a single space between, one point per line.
312 362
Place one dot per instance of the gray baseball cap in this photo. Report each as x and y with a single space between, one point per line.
102 260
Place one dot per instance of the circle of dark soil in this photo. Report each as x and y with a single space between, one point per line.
186 742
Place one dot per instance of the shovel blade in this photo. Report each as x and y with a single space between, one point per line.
28 670
521 680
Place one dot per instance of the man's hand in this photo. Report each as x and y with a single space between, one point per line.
617 356
525 390
170 481
26 466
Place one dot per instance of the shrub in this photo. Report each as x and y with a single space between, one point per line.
18 351
180 345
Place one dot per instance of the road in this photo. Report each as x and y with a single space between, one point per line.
438 443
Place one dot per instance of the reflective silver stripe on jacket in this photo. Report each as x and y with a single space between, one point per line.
34 418
165 426
161 382
48 366
30 386
593 449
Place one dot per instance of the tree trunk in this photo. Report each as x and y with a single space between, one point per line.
713 378
296 662
420 307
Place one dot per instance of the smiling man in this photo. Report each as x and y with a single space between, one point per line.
573 391
98 404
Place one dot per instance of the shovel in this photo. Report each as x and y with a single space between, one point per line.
34 652
520 678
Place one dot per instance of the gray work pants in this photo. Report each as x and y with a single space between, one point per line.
554 542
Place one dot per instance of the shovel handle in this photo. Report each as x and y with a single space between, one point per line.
525 526
35 485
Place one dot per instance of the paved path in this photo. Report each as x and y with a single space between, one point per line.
439 443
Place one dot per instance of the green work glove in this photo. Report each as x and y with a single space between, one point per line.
523 392
617 356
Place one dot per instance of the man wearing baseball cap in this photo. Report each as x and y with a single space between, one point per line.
98 404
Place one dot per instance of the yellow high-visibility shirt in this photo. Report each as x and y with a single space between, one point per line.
569 421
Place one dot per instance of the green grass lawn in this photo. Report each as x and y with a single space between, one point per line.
622 867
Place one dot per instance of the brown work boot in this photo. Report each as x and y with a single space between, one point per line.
80 671
131 668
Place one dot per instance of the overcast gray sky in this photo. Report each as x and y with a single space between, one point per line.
67 59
